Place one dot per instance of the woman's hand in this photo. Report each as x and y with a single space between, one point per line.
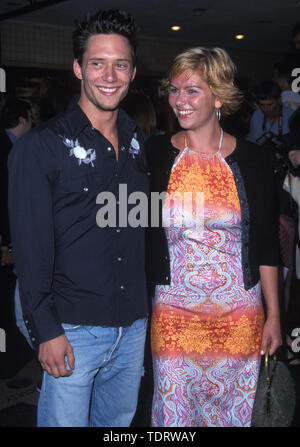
271 335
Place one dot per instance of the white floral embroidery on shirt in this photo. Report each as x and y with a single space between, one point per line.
134 146
83 155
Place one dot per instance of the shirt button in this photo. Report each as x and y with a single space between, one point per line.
119 259
118 230
85 189
167 278
122 287
122 148
109 149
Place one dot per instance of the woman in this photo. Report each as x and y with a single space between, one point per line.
208 329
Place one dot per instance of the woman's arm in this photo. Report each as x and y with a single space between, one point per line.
271 332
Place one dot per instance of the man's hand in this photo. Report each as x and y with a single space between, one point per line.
52 356
7 257
294 157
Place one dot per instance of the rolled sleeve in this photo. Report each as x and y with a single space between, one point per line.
31 169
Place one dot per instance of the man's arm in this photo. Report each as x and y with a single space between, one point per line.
31 174
32 233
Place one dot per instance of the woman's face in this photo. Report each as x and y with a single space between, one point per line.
192 100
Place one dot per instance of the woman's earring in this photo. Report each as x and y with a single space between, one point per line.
218 113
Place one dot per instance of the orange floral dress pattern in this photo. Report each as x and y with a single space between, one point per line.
206 328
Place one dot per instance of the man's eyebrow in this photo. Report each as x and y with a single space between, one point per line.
123 59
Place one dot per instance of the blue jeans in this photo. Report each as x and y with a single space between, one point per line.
103 389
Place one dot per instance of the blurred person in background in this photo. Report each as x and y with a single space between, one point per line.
141 109
271 114
295 39
15 121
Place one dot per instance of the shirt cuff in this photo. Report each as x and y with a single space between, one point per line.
43 325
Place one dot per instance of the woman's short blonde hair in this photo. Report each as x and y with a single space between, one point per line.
216 69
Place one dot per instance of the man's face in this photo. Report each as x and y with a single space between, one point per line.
106 71
271 108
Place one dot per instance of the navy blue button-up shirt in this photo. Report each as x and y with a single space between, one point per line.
70 270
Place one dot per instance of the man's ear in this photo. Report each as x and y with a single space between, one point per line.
133 74
21 121
77 69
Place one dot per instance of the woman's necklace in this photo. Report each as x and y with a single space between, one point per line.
220 143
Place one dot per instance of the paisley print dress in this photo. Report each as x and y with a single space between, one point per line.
206 328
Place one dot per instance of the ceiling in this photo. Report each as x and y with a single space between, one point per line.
267 24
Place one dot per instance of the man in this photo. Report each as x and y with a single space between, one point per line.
83 287
271 115
15 122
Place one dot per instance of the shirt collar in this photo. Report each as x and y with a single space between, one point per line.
78 120
76 117
13 138
126 126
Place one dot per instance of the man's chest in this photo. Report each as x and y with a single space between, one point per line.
88 166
